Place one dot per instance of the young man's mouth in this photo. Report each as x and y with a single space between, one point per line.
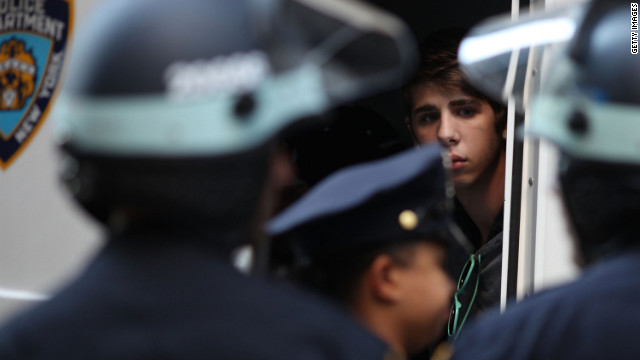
457 161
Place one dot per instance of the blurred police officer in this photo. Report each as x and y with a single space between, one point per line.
166 126
590 108
374 238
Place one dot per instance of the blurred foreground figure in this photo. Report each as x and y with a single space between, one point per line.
166 126
374 238
590 107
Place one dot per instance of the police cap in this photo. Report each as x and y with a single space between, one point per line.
400 198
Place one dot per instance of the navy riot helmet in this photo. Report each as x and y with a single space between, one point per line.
170 106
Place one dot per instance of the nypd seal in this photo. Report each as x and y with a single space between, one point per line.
33 42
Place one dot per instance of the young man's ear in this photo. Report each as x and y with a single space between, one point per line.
414 138
504 133
385 279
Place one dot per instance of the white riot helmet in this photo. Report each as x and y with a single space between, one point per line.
589 106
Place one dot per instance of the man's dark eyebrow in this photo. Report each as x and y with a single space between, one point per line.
464 102
424 108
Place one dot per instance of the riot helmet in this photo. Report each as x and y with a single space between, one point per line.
588 105
169 106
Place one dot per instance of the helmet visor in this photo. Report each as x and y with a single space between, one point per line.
495 54
359 49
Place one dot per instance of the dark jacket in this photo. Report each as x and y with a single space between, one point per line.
156 299
488 295
596 317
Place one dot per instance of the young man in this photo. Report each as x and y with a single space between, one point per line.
590 110
374 238
167 126
443 107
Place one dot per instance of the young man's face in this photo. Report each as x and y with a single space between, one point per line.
465 125
428 290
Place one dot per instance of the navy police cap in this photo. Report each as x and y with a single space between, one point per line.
400 198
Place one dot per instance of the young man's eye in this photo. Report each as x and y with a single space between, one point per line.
467 112
427 119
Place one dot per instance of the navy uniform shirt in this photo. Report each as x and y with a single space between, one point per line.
178 299
596 317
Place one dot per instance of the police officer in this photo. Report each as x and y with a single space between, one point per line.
166 124
374 238
590 108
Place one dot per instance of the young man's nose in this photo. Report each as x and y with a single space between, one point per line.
447 134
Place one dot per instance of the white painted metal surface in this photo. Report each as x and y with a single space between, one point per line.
546 250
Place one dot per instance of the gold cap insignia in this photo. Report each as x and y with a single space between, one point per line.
408 219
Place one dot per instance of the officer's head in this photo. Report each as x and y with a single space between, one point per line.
589 106
170 106
596 108
374 238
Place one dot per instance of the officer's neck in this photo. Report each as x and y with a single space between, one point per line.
181 231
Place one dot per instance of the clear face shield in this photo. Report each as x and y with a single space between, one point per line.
578 108
495 54
357 48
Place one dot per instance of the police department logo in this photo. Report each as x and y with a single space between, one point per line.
33 41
